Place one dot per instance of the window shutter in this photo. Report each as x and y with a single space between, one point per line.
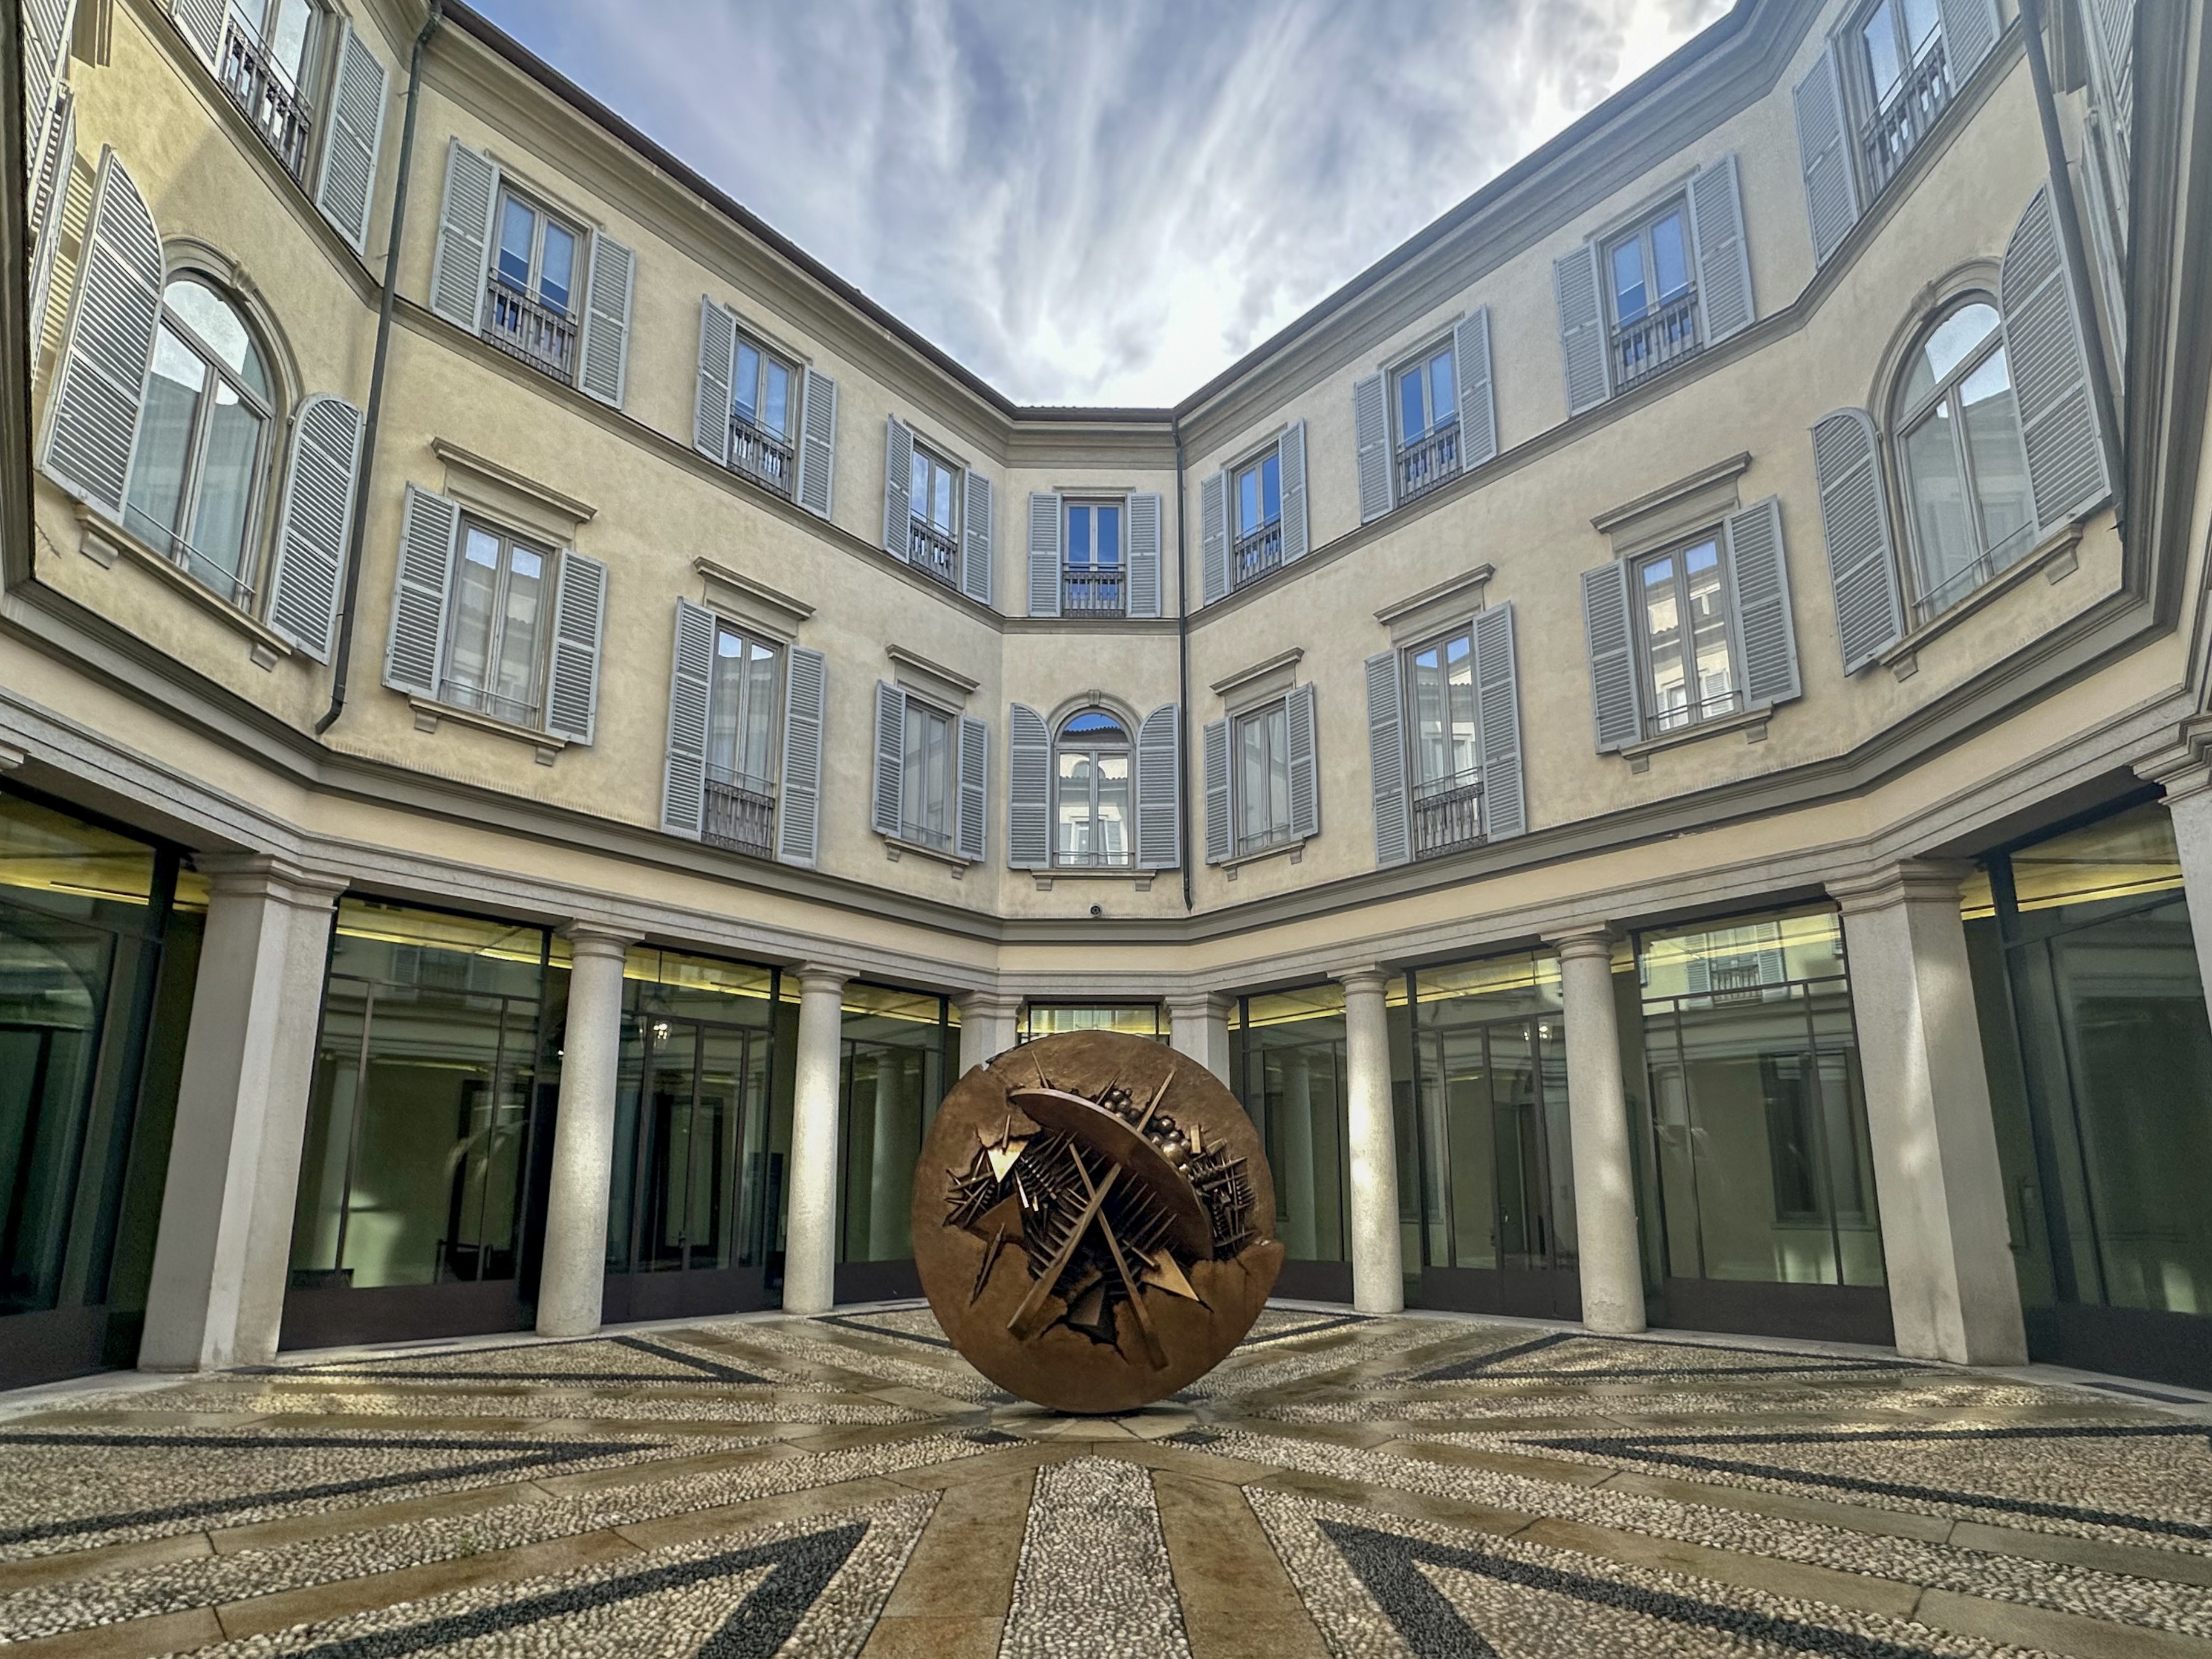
1217 792
710 410
1832 188
603 357
975 771
347 184
1759 589
1583 346
1044 555
1160 788
2112 25
313 523
1497 721
683 782
1616 700
1305 780
1029 790
1213 537
416 644
2066 470
818 440
1370 437
898 488
1144 515
1970 28
975 545
58 162
1292 449
1386 758
580 616
1478 402
1724 257
891 758
202 22
1855 523
799 804
463 258
93 420
47 26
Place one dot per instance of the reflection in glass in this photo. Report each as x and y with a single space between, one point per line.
1291 1079
890 1082
1964 463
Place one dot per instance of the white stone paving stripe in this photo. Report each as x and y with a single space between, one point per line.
1094 1578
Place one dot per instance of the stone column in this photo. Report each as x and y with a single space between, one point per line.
810 1256
1197 1025
1607 1251
986 1027
1952 1293
1378 1285
574 1274
2189 803
222 1256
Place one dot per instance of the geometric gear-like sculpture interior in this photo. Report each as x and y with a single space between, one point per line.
1093 1221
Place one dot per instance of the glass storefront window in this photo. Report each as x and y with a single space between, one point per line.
419 1123
1756 1112
1289 1071
896 1049
1049 1018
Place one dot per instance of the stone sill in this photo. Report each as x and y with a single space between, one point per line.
103 541
1751 722
1296 849
896 847
1140 881
2058 556
428 714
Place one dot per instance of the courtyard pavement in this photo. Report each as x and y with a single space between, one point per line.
1420 1485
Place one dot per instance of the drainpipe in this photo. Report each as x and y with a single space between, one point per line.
1182 667
2078 258
344 659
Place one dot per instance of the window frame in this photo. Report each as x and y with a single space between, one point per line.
543 215
509 540
1676 206
1280 833
911 831
1436 796
1094 577
1066 742
1422 361
932 548
1872 104
1253 554
1657 725
768 355
753 640
307 82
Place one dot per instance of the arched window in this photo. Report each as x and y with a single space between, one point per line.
1968 510
1093 804
203 439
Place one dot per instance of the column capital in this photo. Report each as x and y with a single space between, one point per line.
1370 977
1206 1004
594 938
988 1004
821 976
2184 767
1909 881
1596 940
270 875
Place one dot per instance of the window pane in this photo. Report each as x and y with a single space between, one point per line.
775 401
227 470
1921 17
1248 501
1953 342
725 705
209 317
1459 690
1444 395
1709 629
1943 530
475 580
1251 780
1276 720
756 753
518 632
165 436
929 774
1413 416
1074 806
555 281
744 382
918 489
1628 298
517 230
1113 808
1663 645
1428 714
287 36
1999 461
1109 535
1271 489
1884 71
1670 266
942 508
1078 535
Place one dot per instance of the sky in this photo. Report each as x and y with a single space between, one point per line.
1100 202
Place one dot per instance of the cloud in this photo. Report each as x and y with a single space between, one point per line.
1101 202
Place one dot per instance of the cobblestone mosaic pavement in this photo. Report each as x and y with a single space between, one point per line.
847 1486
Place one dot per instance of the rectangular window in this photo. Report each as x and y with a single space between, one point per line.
934 502
267 50
1686 637
1093 808
1262 788
1428 422
927 780
1653 294
1901 81
760 415
531 310
1446 748
1091 574
1256 493
741 736
497 619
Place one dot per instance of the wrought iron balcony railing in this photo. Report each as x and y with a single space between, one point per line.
1896 131
531 331
1086 590
1259 840
1682 715
933 552
740 814
1658 337
760 456
257 84
1428 461
1255 554
1447 814
467 694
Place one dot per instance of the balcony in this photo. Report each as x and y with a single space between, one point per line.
1897 131
1657 338
933 552
1085 591
1447 814
1428 461
740 814
1255 554
531 331
760 456
257 84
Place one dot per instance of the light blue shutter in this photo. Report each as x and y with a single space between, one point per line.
817 441
463 258
1044 555
1970 28
1218 843
1831 187
1371 438
414 647
1616 700
710 409
1029 790
889 790
45 220
1386 758
1583 346
976 544
1292 449
1298 732
1758 588
1160 788
798 803
1144 514
975 775
1213 537
1477 401
579 614
898 488
47 26
690 686
313 523
347 184
1498 722
1855 523
602 358
92 421
202 22
2050 361
1724 294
